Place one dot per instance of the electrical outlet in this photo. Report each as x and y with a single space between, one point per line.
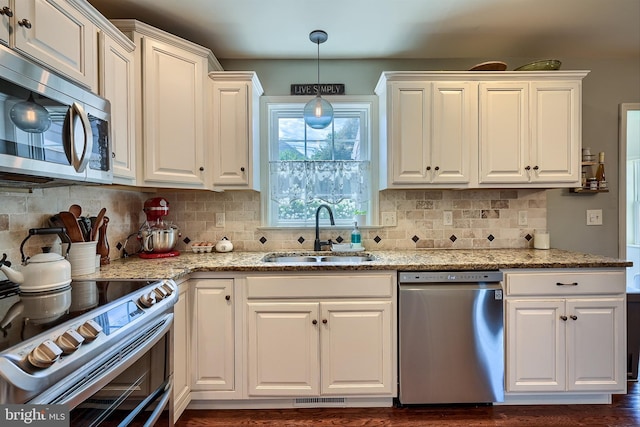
220 219
522 218
447 218
389 219
594 216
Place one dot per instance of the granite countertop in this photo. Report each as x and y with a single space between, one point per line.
416 260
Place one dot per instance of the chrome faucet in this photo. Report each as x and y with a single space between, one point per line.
317 244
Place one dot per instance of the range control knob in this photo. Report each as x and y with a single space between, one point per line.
45 354
167 287
147 300
90 330
161 293
69 341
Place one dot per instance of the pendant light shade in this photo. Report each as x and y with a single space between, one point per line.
318 113
30 116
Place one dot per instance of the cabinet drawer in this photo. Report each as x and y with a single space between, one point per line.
320 286
565 283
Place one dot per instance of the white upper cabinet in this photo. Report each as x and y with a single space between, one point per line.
117 79
480 129
429 135
57 34
6 12
530 132
235 100
170 107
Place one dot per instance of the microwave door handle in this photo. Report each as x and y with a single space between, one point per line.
81 162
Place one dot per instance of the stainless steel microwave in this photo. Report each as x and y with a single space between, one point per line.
52 131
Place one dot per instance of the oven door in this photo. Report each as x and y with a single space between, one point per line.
133 386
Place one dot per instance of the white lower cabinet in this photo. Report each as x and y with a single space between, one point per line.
319 348
303 339
213 347
566 332
181 353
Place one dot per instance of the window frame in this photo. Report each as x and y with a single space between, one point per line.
268 104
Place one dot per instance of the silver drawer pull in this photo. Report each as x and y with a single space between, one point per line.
567 284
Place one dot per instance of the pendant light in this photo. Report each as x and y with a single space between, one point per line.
30 116
318 113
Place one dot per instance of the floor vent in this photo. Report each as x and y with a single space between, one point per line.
315 402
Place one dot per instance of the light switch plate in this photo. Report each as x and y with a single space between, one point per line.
389 219
522 218
594 216
220 219
447 218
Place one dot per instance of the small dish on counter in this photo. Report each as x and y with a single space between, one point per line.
202 247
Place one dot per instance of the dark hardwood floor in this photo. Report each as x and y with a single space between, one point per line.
624 411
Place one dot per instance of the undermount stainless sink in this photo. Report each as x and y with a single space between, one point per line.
306 259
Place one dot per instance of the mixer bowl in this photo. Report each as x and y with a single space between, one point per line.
159 240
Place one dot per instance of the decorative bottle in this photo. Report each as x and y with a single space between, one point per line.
356 237
600 177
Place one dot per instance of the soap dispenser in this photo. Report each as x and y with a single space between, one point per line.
356 237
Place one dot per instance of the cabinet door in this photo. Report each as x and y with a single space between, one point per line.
535 345
453 131
408 129
356 350
555 131
282 351
117 81
5 22
504 132
60 37
595 344
231 129
181 353
213 351
174 102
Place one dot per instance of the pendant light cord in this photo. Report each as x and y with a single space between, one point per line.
318 88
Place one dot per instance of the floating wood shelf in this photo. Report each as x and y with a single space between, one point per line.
587 190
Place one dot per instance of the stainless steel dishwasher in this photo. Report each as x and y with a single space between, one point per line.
451 337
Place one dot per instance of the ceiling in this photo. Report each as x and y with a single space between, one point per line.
396 29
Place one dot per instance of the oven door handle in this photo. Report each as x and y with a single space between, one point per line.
162 394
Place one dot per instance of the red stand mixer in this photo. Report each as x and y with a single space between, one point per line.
158 237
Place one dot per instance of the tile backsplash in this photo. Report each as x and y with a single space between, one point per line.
481 218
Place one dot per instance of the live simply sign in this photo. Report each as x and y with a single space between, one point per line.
312 89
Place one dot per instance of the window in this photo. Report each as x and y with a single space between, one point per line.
309 167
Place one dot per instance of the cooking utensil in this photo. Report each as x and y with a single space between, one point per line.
76 210
86 227
71 224
97 223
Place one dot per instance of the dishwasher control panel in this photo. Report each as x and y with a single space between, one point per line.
449 276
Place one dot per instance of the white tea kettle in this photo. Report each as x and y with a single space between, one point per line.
44 271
